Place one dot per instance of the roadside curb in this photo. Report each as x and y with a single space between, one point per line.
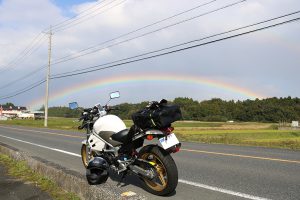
68 180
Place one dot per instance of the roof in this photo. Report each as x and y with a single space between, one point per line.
4 107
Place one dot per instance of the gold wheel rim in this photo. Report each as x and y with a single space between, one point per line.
160 170
84 156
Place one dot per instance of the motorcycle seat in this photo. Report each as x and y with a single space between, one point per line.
121 136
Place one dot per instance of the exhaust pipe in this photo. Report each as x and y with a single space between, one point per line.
140 171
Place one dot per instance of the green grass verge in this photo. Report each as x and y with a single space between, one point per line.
267 138
20 170
54 123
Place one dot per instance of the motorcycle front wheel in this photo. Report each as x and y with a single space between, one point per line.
86 156
166 179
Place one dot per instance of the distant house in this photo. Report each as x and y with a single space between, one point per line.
31 115
11 111
19 112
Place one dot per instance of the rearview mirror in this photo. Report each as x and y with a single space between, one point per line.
114 95
73 105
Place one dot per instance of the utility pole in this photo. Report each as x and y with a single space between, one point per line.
48 77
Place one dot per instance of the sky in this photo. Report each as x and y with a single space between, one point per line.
90 33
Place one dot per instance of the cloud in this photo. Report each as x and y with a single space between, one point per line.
264 62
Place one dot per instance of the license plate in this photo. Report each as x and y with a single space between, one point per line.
168 142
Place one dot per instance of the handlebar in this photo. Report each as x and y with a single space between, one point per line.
96 111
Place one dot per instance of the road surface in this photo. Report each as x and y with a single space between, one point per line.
206 171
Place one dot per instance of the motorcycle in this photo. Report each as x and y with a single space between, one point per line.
109 145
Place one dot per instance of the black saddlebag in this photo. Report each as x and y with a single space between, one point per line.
160 116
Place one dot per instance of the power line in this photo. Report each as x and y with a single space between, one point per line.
35 38
26 89
22 77
189 42
57 76
31 46
22 56
139 29
71 24
59 25
78 15
34 45
151 32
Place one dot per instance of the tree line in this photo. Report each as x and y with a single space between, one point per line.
266 110
216 109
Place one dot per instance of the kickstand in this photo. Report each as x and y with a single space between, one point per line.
122 178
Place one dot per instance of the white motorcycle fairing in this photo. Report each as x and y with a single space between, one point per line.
109 123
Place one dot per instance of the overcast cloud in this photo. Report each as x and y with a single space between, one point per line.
265 63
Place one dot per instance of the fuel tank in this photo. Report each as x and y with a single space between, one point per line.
109 123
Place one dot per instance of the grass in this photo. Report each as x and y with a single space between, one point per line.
267 138
21 171
243 133
53 123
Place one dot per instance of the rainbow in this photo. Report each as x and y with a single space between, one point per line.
139 78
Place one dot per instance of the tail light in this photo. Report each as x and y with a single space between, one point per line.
168 130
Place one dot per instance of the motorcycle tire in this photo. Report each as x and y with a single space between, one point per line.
84 155
167 174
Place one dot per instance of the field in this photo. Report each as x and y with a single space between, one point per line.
245 133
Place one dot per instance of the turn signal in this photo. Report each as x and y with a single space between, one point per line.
149 137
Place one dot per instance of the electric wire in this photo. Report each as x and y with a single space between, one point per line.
71 24
77 16
168 52
158 55
173 51
22 56
139 29
151 32
39 69
22 78
34 45
23 90
35 38
192 41
28 86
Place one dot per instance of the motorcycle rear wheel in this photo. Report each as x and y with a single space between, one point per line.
165 168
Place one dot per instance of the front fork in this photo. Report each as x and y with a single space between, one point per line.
89 152
88 149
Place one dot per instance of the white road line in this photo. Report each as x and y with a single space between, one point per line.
247 196
42 146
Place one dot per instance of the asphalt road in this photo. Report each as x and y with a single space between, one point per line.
206 171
